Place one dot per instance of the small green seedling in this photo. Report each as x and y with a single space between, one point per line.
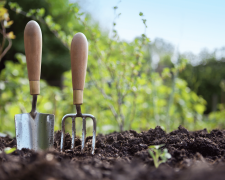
157 153
8 150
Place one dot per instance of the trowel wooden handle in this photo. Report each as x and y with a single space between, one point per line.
33 49
79 55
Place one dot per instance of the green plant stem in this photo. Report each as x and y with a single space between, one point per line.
156 159
2 50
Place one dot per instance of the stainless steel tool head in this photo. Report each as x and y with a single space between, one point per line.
37 133
83 116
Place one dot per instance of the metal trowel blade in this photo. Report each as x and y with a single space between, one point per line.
36 134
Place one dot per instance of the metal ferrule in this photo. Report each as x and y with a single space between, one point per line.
78 97
34 87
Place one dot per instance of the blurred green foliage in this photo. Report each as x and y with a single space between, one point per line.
205 80
5 36
53 50
122 90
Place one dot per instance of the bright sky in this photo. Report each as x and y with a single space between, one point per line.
193 24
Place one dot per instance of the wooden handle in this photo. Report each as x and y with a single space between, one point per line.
79 55
33 50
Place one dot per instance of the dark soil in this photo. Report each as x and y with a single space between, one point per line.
122 156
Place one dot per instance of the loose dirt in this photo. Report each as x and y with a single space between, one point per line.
121 156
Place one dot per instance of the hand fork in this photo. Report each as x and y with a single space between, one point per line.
79 55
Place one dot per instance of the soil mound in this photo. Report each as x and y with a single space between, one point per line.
121 156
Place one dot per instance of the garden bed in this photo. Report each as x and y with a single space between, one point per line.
122 156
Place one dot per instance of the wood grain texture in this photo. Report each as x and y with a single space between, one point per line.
33 50
79 55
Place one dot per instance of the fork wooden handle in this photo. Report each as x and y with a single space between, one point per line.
79 55
33 50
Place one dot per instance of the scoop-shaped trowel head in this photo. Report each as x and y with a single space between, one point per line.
37 133
34 130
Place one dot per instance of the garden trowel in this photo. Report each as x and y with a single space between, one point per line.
34 130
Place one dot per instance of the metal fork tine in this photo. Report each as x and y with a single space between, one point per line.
83 134
63 133
94 136
73 116
73 133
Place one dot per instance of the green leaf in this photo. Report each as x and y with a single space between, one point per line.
9 150
76 9
13 5
151 153
18 10
165 155
2 85
156 146
141 14
31 12
21 58
144 21
41 12
168 155
48 20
